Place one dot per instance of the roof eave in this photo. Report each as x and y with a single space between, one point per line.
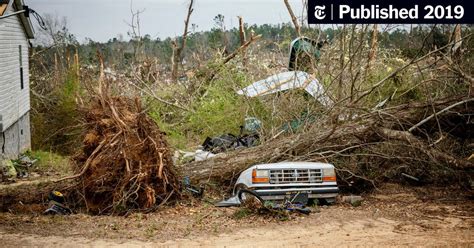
26 22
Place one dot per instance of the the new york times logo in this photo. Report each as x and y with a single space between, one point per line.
392 11
319 12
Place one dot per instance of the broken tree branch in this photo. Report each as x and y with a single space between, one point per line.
241 48
243 39
88 162
373 47
149 91
414 60
177 50
433 153
293 18
438 113
241 31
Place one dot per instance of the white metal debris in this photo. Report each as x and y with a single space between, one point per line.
286 81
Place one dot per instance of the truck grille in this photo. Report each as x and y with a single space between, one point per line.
295 176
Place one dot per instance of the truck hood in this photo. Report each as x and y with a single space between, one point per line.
293 165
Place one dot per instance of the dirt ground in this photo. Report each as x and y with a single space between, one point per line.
395 216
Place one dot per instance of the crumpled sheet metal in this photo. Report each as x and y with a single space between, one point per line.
286 81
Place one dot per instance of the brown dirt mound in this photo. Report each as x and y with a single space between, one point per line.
125 163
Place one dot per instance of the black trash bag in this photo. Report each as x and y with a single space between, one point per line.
220 143
249 140
228 142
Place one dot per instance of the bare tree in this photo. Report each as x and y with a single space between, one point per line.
177 50
456 50
242 38
373 46
342 48
135 32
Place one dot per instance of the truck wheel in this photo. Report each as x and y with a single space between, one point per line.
238 188
250 198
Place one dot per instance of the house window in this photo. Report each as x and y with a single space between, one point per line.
22 85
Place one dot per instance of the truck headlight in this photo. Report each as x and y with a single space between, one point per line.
260 176
329 175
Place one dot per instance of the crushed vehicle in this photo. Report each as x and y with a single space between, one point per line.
288 180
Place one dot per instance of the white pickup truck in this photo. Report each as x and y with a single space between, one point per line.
275 181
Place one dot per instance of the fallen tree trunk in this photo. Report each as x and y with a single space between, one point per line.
227 166
372 140
435 154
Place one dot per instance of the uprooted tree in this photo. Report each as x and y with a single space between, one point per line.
125 162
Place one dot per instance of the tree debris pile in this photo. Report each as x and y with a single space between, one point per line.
125 163
429 142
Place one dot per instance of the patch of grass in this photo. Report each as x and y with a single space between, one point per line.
54 123
217 111
50 162
175 136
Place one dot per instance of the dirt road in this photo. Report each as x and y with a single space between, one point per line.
309 233
389 219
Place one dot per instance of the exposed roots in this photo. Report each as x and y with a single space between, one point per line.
125 163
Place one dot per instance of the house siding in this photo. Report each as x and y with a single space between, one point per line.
16 138
14 101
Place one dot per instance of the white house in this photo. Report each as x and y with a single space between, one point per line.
15 32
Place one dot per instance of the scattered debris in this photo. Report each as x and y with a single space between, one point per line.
229 141
292 207
243 196
410 177
363 140
248 137
182 157
201 155
23 165
288 81
8 170
252 125
195 191
26 161
57 204
233 201
17 168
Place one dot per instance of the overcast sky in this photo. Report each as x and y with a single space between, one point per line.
105 19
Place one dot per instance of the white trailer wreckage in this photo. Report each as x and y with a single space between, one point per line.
288 81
